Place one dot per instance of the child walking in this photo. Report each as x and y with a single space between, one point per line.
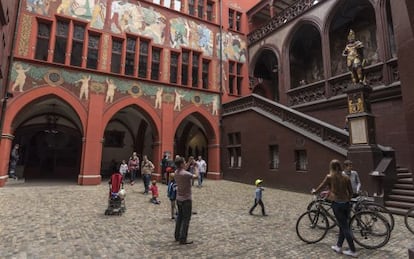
258 197
123 169
172 194
154 190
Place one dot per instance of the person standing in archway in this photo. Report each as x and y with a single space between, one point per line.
147 167
133 167
14 158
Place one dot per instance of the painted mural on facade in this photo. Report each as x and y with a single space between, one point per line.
188 34
26 76
125 17
134 18
94 11
234 48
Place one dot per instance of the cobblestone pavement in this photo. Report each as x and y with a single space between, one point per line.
62 220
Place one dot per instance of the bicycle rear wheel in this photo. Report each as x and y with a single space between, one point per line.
312 226
409 220
375 207
370 229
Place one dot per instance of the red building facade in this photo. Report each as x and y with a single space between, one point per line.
94 81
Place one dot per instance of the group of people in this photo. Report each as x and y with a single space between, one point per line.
342 184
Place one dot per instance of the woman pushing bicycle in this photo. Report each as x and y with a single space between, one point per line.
340 193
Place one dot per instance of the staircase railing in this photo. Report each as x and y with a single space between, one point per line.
330 136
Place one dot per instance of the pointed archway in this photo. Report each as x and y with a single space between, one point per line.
50 136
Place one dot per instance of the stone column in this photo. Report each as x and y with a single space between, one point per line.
5 148
213 163
92 149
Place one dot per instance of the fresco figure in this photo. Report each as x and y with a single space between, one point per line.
158 98
84 91
215 105
20 78
177 104
66 6
111 91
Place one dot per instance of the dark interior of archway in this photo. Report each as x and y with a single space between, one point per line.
266 68
358 15
306 64
191 142
47 153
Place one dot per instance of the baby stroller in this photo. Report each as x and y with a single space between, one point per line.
116 200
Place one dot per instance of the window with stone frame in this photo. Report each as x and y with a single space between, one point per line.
205 73
235 77
61 41
78 40
155 63
235 18
195 70
200 9
43 40
116 57
210 11
185 65
234 150
143 58
301 160
274 157
174 59
131 45
93 50
191 7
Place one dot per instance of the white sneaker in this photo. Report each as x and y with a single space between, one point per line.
350 253
337 249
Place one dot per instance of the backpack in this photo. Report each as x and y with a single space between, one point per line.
172 190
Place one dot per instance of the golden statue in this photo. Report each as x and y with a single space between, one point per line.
354 58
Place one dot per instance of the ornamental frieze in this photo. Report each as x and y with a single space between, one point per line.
26 76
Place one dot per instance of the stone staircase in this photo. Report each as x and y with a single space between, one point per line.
402 193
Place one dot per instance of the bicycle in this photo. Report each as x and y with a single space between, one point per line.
370 229
360 203
409 220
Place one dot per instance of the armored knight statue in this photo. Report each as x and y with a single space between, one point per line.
355 58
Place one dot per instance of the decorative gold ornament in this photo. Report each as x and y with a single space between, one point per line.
53 77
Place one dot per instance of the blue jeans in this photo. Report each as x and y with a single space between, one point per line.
183 220
146 178
200 178
342 212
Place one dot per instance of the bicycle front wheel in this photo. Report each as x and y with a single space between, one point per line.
314 206
375 207
312 226
370 229
409 220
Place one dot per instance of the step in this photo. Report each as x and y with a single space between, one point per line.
402 170
404 175
397 211
405 180
401 198
404 186
403 192
399 204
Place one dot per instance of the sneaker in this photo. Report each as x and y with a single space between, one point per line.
350 253
337 249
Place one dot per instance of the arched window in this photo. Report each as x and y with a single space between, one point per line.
305 56
266 70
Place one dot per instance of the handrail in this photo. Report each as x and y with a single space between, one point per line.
326 134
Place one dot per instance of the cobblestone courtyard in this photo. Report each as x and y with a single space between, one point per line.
64 220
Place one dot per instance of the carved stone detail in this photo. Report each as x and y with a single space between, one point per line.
290 13
306 94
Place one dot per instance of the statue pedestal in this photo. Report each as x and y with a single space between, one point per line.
368 158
